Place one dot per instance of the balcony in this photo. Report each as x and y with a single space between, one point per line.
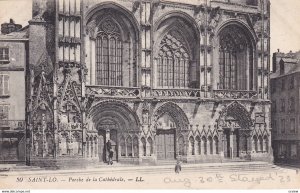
113 91
175 93
234 94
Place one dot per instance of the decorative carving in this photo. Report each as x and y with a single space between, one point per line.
176 93
230 94
112 91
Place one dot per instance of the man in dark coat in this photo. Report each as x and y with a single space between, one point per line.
110 152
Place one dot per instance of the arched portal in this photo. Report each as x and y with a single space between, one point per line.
168 120
235 123
116 125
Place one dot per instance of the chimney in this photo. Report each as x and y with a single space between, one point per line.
7 28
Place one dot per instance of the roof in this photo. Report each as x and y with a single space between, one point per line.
20 34
294 69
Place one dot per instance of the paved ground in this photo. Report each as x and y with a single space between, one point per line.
217 175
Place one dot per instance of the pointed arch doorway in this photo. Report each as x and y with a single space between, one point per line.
165 138
235 126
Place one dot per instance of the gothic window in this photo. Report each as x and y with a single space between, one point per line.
129 146
135 146
235 60
204 145
109 48
122 146
173 62
144 146
150 144
261 144
198 146
216 143
211 149
181 145
191 146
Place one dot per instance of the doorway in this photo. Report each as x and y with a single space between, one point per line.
103 137
165 141
231 143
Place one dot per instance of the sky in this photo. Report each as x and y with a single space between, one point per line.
285 20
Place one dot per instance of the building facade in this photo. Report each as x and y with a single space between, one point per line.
285 107
161 80
13 60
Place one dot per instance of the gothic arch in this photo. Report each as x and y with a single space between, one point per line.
238 112
117 112
113 33
179 116
234 52
176 51
112 5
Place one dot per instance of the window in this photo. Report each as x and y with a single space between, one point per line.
4 54
4 84
235 60
292 104
173 62
282 105
282 125
4 114
109 48
292 126
254 143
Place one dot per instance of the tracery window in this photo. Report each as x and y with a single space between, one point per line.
173 62
109 48
144 146
181 145
216 143
135 147
235 60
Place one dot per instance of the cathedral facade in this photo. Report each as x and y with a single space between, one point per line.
161 80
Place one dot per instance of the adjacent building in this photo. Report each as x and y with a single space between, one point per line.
161 80
13 61
285 87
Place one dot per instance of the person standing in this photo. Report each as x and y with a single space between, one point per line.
110 152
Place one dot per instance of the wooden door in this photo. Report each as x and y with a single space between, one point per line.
165 143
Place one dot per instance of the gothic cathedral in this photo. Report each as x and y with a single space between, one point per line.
161 80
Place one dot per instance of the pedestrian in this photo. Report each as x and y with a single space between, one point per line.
110 152
177 167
